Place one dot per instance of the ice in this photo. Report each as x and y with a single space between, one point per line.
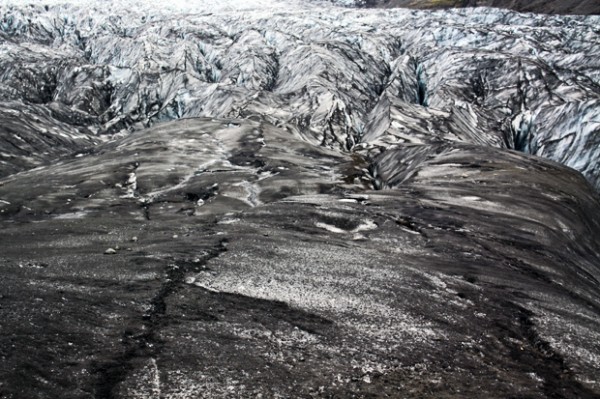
345 78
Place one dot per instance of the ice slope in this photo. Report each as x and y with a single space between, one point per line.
287 199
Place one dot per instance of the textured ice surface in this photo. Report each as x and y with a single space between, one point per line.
484 76
277 199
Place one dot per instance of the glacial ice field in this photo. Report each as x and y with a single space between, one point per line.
344 78
291 199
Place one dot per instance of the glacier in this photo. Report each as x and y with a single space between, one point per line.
294 199
529 84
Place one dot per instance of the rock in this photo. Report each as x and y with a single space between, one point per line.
190 280
110 251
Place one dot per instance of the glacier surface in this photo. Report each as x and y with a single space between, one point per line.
367 77
290 199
